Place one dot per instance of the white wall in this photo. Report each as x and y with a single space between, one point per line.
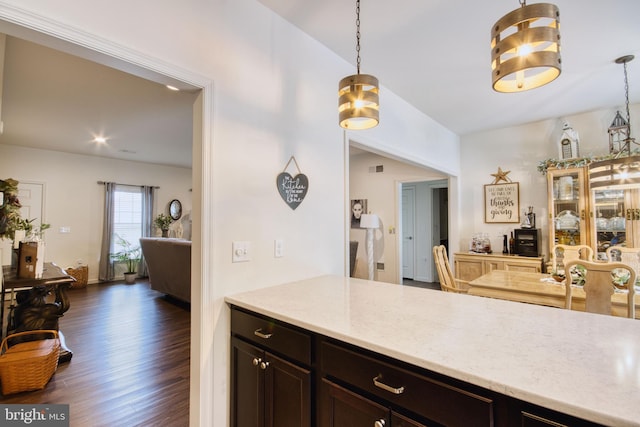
381 190
273 96
74 199
519 150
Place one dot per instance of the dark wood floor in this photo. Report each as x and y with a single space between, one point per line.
130 364
417 284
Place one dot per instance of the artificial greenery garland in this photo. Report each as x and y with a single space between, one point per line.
544 165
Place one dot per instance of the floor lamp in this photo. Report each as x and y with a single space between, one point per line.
371 222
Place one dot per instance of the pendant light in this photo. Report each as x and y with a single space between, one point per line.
358 103
525 48
623 170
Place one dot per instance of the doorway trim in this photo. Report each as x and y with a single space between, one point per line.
43 30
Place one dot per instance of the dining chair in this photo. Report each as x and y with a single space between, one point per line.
448 282
629 256
562 254
601 279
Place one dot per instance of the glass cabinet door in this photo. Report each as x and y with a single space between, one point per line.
616 218
609 220
568 207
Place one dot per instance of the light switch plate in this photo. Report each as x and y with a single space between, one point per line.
278 248
241 251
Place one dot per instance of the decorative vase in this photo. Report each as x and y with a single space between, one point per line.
165 233
130 278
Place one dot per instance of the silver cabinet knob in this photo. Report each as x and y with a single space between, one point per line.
264 365
256 361
379 423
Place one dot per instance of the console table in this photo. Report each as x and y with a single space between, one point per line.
54 279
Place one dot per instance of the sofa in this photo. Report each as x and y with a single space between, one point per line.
169 265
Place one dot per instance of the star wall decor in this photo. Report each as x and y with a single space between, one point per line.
500 176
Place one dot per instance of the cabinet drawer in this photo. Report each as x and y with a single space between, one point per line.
427 397
273 335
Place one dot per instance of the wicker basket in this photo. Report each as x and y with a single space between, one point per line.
81 274
28 365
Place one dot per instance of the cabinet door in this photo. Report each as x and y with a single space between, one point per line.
616 219
347 409
491 264
468 268
569 204
247 385
398 420
287 393
530 267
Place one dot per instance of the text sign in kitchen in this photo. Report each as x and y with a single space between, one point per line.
292 189
502 203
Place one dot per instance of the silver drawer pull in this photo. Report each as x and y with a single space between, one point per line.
377 383
258 333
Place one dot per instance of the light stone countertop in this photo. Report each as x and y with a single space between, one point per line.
582 364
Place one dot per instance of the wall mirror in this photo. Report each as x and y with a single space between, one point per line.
175 209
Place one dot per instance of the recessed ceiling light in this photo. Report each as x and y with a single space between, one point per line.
100 139
172 88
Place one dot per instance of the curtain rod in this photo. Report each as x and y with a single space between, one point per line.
130 185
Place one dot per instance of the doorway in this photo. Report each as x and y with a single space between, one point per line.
116 56
425 217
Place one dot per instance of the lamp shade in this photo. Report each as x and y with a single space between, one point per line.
621 172
369 221
525 48
358 102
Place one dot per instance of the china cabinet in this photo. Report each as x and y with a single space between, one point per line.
569 207
599 218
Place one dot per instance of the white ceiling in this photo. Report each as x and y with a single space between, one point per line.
57 101
435 54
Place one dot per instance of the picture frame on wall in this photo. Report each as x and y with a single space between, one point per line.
502 203
358 207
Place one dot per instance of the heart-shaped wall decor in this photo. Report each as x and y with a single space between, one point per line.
292 189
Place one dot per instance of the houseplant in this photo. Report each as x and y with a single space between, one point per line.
163 222
9 208
129 255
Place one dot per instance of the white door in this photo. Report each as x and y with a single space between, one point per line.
408 241
31 197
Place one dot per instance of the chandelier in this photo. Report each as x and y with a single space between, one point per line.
624 169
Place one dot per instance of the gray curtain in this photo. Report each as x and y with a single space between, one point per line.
147 222
106 271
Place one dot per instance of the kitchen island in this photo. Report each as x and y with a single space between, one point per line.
581 364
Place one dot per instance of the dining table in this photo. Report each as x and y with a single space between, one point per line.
541 289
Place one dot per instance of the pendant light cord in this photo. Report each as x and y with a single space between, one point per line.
358 35
626 94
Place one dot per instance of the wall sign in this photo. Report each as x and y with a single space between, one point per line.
292 189
502 201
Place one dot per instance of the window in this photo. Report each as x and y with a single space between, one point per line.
127 215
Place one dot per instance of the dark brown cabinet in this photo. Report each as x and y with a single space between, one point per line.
403 391
267 390
345 408
285 376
